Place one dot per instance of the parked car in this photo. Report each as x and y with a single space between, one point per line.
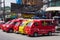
40 27
3 26
10 27
22 26
16 27
1 23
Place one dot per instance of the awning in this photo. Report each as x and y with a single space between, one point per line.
56 17
53 9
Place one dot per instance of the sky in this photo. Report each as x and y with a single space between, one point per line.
8 2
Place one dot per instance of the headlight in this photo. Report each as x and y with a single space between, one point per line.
3 25
7 26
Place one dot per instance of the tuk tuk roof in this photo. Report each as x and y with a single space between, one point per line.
53 9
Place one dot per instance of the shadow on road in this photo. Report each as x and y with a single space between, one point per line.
46 36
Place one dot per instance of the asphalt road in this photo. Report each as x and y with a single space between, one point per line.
13 36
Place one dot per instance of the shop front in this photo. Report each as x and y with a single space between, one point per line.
53 13
24 15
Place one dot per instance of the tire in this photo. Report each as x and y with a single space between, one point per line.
50 34
11 31
3 30
35 35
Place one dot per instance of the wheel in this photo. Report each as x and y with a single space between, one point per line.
29 36
50 33
3 30
35 34
11 30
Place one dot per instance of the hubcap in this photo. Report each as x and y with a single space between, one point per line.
50 33
11 30
35 34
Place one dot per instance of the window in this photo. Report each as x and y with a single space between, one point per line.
7 22
47 23
26 23
44 23
17 23
54 3
29 24
22 23
36 23
58 3
14 23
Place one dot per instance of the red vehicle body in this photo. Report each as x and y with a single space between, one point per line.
10 27
39 27
4 25
0 26
1 23
16 27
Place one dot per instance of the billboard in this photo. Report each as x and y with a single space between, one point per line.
16 7
19 1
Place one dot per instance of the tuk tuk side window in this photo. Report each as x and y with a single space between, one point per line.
14 23
7 22
36 24
29 24
18 23
47 23
22 24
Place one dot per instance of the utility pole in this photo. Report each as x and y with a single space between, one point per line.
4 10
0 5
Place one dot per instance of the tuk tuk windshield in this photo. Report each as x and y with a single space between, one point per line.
7 22
18 23
22 23
13 23
29 24
47 23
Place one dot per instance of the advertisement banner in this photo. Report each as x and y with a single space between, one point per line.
19 1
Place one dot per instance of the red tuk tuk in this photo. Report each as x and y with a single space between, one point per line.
39 27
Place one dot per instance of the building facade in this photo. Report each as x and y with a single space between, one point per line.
45 4
51 3
30 7
32 2
54 3
53 7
